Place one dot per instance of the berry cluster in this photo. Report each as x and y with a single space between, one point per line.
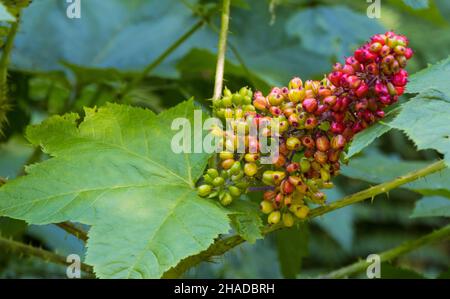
313 123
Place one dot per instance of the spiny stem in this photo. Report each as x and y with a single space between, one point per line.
438 235
4 62
73 230
149 68
221 246
222 48
29 250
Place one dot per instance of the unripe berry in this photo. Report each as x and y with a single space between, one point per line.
325 175
268 177
234 191
288 220
275 99
305 165
287 187
294 120
311 122
301 212
322 143
226 199
227 164
338 142
294 180
375 47
226 155
251 157
278 176
212 172
266 207
250 169
269 195
218 181
295 83
204 190
293 143
274 217
296 95
321 157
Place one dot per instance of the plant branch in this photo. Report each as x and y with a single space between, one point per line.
29 250
149 68
222 48
4 62
221 246
438 235
73 230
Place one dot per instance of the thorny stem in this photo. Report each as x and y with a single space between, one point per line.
222 48
221 246
73 230
4 62
29 250
438 235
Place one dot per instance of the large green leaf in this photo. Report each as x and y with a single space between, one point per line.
377 168
433 77
292 246
339 223
332 30
426 122
116 172
246 220
366 137
121 34
434 206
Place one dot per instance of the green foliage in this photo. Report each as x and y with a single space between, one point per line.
246 220
292 245
5 15
434 206
136 195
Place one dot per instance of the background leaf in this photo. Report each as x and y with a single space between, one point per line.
292 246
434 206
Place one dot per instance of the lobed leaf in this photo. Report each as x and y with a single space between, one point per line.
115 171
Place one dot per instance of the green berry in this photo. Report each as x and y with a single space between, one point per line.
226 199
274 217
204 190
236 168
288 219
212 172
218 181
266 207
234 191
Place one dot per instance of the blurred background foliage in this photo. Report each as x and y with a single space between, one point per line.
60 65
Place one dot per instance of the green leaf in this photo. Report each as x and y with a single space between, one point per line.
116 172
128 37
434 206
434 77
246 220
377 168
417 4
426 122
332 30
5 15
366 137
292 246
339 223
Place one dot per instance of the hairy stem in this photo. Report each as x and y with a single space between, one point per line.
222 48
46 255
73 230
438 235
149 68
4 62
221 246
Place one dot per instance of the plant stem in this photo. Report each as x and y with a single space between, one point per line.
221 246
438 235
28 250
149 68
222 48
73 230
4 62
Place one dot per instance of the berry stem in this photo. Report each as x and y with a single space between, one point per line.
260 188
222 48
388 255
221 246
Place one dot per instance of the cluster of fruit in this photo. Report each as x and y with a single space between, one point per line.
313 123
